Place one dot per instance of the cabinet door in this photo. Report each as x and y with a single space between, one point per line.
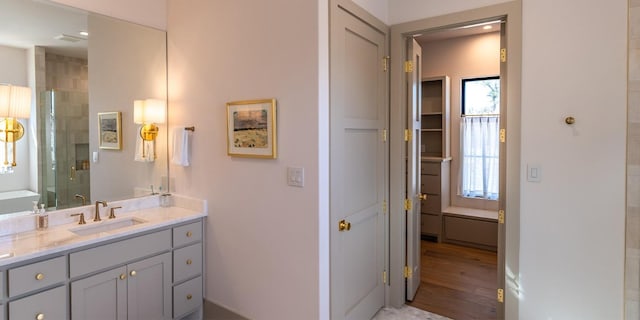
149 288
100 297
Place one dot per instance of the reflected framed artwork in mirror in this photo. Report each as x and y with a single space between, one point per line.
251 128
110 127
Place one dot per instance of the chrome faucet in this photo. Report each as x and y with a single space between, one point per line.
96 218
84 199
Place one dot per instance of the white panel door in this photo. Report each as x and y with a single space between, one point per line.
414 110
358 166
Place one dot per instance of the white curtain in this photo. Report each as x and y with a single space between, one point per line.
480 157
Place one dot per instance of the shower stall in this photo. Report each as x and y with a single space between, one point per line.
65 148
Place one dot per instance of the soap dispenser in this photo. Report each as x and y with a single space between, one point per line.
42 218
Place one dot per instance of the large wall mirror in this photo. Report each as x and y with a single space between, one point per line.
80 140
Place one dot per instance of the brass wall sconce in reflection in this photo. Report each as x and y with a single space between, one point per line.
15 103
148 113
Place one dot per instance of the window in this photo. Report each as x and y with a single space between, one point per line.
479 138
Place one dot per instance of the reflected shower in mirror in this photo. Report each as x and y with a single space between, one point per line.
79 64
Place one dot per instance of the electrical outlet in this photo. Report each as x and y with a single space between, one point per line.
295 176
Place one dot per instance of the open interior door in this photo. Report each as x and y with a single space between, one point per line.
413 70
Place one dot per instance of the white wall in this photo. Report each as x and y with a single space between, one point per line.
13 63
460 58
262 253
151 13
410 10
572 222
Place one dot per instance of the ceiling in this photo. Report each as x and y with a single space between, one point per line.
28 23
457 32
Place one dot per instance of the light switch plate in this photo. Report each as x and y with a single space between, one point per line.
295 176
534 173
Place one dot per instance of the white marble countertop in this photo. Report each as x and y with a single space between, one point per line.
24 245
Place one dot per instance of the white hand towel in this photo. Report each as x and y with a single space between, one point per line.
145 150
181 147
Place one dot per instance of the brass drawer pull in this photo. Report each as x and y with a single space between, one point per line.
189 262
189 297
189 234
40 316
39 276
133 273
123 276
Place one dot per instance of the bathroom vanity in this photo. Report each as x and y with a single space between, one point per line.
147 263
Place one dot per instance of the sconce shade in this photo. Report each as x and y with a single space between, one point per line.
15 101
149 111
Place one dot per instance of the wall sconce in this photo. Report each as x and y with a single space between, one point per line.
148 113
15 103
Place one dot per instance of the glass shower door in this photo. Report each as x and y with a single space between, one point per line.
66 148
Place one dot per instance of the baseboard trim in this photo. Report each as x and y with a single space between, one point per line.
213 311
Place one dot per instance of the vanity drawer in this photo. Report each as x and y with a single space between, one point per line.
106 256
430 184
51 304
433 204
187 234
430 168
187 262
187 297
37 275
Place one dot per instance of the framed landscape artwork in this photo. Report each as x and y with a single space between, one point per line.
110 135
251 128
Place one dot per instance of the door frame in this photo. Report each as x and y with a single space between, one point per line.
510 195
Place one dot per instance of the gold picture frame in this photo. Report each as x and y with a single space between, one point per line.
110 130
251 129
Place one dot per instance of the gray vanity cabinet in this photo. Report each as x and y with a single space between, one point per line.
140 290
154 275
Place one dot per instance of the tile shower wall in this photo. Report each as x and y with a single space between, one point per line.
66 73
68 78
632 268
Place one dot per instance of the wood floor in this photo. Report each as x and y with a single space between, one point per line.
457 282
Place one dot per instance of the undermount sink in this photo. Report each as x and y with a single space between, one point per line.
106 226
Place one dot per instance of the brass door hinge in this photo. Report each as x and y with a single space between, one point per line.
408 66
384 135
503 135
384 207
503 55
408 273
384 277
385 63
501 295
407 135
408 204
501 216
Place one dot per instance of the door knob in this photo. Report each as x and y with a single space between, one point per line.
344 225
422 196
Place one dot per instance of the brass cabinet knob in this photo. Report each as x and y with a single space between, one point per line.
133 273
189 297
422 196
123 276
189 262
40 316
39 276
343 225
189 234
